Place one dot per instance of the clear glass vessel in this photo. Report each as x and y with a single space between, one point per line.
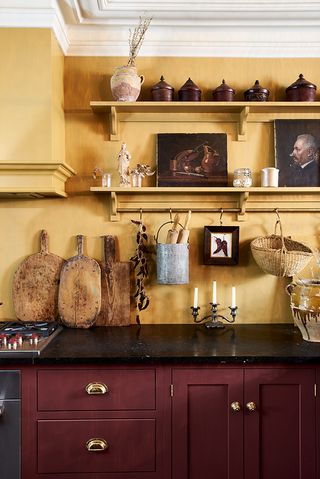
242 177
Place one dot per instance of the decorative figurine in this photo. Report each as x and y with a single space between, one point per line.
124 158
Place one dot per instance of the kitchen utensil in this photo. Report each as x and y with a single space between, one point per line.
36 283
79 299
184 232
115 288
173 232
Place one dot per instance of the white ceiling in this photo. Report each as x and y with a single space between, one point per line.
210 28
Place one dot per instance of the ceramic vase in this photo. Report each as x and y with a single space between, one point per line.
126 83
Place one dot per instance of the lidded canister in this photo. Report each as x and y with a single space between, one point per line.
256 93
189 91
162 91
223 93
301 90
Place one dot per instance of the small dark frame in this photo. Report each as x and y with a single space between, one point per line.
221 245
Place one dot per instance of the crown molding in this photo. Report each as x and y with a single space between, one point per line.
253 28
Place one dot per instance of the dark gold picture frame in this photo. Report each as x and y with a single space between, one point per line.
221 245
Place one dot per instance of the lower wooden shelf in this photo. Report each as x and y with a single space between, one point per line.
214 199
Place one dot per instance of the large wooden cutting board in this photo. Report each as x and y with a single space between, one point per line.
36 284
79 298
115 287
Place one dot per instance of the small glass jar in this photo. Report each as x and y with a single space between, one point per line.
242 177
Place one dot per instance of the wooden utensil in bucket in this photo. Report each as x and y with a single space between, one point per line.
79 298
115 287
36 283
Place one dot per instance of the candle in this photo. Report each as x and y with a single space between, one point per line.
195 298
214 292
233 297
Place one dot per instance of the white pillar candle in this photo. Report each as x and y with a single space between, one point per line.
233 297
195 298
214 292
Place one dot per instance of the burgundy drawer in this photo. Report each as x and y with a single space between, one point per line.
130 446
66 390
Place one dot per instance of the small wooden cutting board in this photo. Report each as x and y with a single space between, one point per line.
79 298
36 284
115 287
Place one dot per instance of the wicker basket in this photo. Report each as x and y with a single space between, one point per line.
280 256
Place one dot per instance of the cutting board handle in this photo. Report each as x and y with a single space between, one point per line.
44 242
109 248
80 244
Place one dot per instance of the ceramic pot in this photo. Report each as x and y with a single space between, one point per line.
162 91
301 90
126 83
256 93
305 307
223 93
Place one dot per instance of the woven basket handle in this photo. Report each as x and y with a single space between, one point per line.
278 222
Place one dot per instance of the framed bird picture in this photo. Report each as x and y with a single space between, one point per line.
221 245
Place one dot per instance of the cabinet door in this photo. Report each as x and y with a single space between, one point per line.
207 433
279 435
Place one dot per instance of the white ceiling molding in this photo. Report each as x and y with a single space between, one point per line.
253 28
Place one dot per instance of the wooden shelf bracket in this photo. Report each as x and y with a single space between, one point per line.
114 214
114 124
243 121
243 198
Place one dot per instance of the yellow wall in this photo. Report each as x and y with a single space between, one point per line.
31 92
261 297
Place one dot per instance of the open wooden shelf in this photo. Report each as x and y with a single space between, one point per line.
241 113
213 199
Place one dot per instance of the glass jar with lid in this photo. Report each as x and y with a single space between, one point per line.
242 177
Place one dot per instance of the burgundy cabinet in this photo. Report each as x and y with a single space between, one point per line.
244 423
90 422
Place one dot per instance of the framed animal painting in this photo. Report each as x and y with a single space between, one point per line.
221 245
192 159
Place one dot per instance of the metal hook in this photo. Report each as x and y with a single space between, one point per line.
221 214
140 214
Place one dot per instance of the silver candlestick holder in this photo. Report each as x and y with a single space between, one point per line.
213 316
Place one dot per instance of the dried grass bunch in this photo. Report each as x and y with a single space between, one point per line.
136 38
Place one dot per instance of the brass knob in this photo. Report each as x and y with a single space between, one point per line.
235 406
96 388
251 406
96 445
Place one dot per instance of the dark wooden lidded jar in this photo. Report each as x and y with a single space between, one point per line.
301 90
223 92
189 92
256 93
162 91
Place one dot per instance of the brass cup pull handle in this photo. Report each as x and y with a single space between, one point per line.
97 445
235 406
96 388
251 406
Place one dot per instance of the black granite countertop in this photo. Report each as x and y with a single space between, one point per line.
264 343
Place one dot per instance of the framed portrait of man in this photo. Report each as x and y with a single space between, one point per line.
192 159
297 144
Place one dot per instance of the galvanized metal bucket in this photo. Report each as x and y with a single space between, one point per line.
172 261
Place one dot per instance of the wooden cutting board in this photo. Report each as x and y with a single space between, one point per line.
115 287
36 284
79 299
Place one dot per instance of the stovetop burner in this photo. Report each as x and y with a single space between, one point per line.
26 339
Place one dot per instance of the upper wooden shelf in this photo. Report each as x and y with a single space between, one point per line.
234 112
210 199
